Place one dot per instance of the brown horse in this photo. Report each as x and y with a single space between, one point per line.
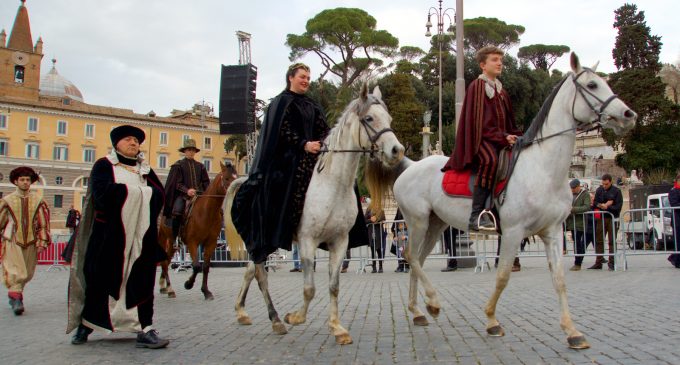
201 228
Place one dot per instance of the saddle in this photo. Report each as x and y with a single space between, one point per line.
461 183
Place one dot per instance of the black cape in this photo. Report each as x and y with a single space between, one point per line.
261 208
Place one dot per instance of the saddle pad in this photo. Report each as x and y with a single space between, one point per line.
458 183
461 183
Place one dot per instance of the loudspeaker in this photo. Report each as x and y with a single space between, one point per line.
237 99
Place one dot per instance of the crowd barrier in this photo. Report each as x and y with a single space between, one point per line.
635 232
52 255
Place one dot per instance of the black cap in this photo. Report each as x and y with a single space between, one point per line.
123 131
574 183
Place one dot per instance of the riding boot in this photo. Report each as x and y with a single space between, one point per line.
176 222
479 197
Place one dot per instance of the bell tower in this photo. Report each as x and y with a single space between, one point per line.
20 79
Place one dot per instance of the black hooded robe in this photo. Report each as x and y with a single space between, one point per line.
268 206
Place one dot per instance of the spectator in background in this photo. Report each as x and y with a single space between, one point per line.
674 198
400 234
72 219
377 236
449 239
575 222
296 259
609 200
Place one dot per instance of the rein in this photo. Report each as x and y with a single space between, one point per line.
594 124
591 125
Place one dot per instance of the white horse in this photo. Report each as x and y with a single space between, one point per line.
537 199
330 208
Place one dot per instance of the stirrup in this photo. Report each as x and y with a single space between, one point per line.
493 220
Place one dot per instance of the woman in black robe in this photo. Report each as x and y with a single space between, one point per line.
268 207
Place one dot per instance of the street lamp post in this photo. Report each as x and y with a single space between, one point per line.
441 14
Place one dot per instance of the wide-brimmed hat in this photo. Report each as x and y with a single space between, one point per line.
20 171
189 143
123 131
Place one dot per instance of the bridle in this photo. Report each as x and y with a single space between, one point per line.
372 134
583 91
222 188
581 126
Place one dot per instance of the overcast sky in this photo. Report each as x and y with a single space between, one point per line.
164 54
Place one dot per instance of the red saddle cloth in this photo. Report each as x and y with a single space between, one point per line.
461 183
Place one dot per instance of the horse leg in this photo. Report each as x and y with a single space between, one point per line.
511 241
162 278
193 251
208 250
307 249
422 241
261 275
166 263
433 233
415 240
241 315
337 253
553 250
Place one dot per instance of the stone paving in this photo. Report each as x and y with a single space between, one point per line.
628 317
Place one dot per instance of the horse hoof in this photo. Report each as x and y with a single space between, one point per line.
171 294
245 320
434 311
292 318
343 339
578 342
209 296
495 331
188 285
420 321
164 291
279 328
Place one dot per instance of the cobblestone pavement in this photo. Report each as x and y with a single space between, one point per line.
628 317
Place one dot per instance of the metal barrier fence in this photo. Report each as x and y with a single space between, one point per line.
52 255
636 232
650 231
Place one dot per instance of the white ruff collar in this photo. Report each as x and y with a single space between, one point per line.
489 86
144 167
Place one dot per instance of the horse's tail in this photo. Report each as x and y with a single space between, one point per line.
379 180
233 238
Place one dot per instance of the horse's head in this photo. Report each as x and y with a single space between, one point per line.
374 130
595 103
228 173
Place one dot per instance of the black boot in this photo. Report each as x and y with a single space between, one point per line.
17 306
176 222
81 335
479 197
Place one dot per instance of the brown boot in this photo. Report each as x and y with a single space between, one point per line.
597 265
516 266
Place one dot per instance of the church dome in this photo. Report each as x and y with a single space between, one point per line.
53 84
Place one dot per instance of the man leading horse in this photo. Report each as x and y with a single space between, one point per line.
187 178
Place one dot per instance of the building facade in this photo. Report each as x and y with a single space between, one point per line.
46 124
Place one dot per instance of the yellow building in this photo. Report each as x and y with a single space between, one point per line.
46 124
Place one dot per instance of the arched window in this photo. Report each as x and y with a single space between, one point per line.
19 74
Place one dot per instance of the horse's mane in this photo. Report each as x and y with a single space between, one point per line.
539 120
